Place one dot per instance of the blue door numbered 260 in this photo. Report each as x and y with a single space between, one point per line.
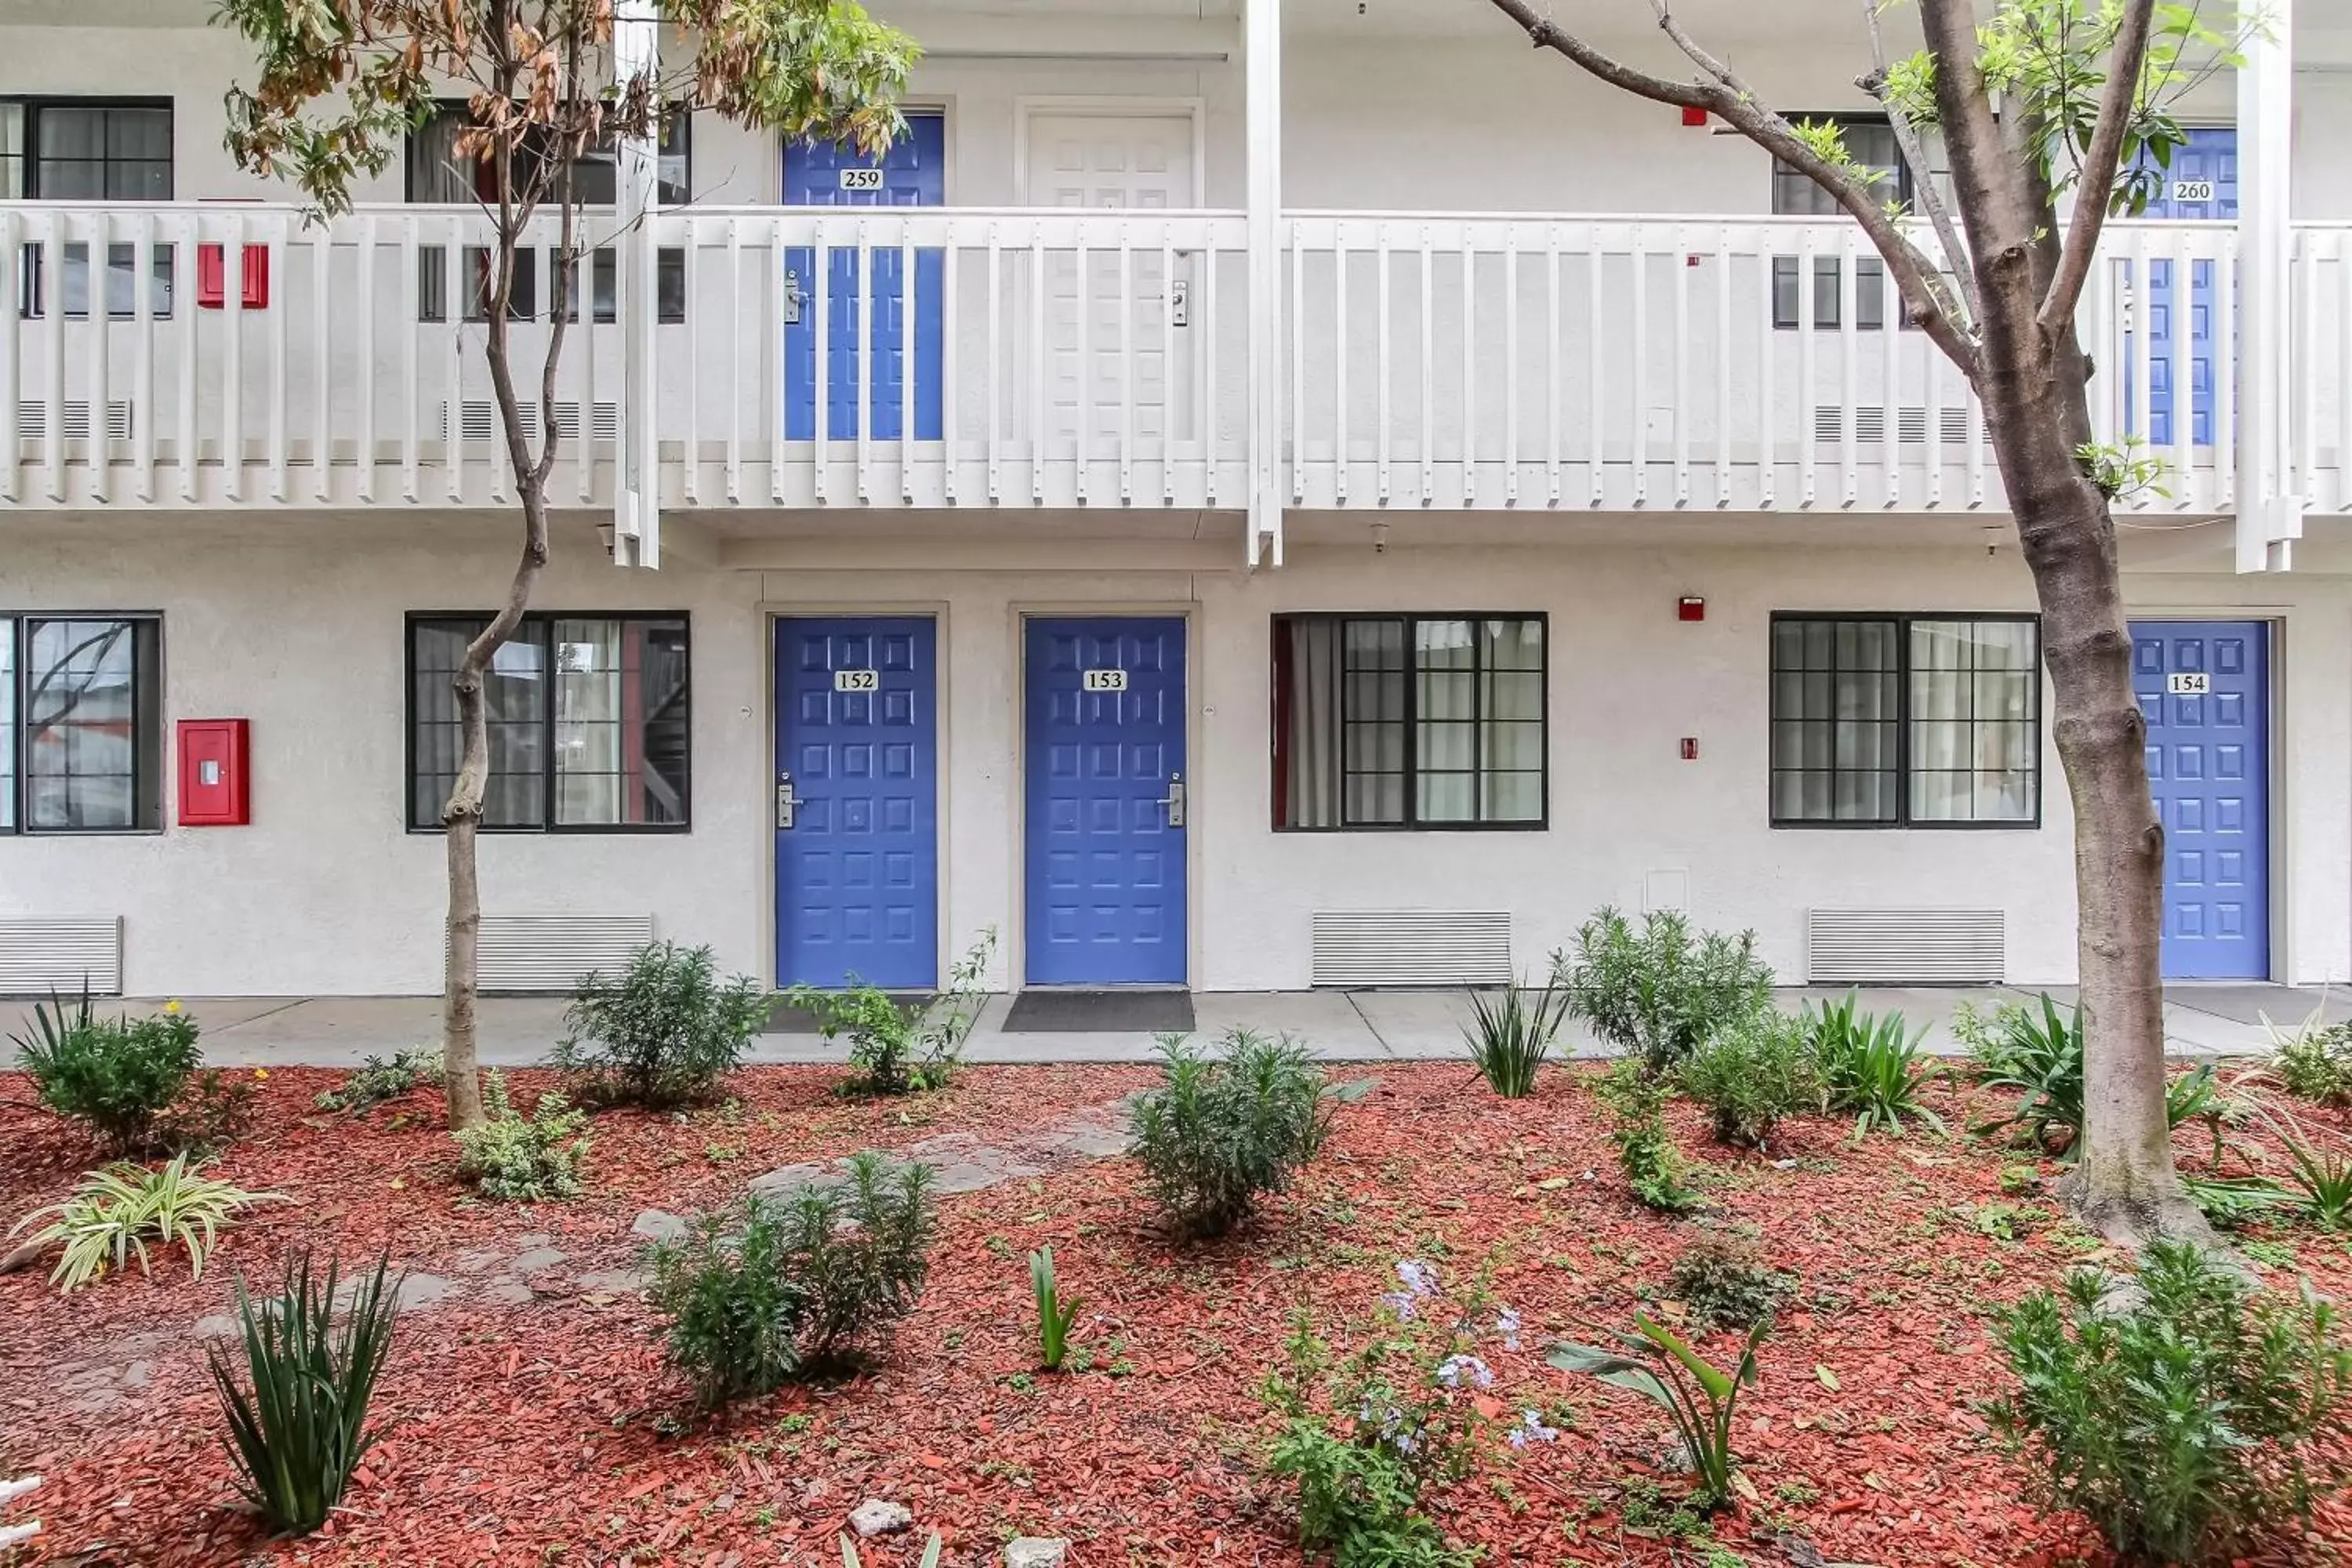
2200 183
871 309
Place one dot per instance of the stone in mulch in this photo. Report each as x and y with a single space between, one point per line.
965 1164
1035 1551
876 1516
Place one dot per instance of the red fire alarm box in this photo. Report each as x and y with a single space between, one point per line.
1690 607
212 773
210 287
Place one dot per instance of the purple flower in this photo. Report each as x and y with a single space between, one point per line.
1531 1430
1456 1370
1508 1325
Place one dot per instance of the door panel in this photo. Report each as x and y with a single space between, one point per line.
1106 864
856 738
912 173
1133 161
2204 687
2202 183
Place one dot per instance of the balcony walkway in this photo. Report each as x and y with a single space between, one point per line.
1340 1025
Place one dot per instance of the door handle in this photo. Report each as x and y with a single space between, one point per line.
787 802
1174 800
792 297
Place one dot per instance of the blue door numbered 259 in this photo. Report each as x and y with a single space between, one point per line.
912 173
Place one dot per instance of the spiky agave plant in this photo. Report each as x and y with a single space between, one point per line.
1055 1315
298 1423
1510 1034
1872 1065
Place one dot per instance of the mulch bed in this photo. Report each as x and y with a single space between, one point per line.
549 1430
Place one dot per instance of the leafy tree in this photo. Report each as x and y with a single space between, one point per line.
2042 99
341 83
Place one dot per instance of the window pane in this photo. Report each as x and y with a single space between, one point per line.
12 151
1976 693
92 745
1309 735
515 699
620 722
1834 696
1372 696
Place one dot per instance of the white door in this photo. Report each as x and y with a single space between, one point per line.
1142 160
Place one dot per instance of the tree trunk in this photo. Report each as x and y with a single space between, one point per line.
2124 1184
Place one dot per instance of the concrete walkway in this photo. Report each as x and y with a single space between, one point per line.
1340 1025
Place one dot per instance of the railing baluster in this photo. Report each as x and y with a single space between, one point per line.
1038 330
1768 355
98 323
1298 367
2184 368
142 350
736 395
689 445
1211 403
1469 372
1641 409
281 390
184 311
52 369
323 398
1722 367
2343 369
1083 297
1890 343
911 358
2303 300
1680 260
821 388
1380 402
233 360
1595 260
950 330
453 421
1428 370
2139 422
366 308
994 367
581 349
1342 328
1552 325
1808 388
1848 361
777 404
14 286
1126 364
2225 385
1931 392
1511 365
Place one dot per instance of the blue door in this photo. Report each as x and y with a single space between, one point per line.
1106 831
856 801
2204 687
912 173
2202 183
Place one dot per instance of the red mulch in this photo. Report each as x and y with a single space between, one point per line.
549 1431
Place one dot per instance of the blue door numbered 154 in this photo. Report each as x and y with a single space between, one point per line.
910 175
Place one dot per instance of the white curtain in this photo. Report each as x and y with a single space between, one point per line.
1311 746
588 722
1974 686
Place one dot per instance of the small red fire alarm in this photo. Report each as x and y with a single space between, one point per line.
1690 607
212 773
1690 748
253 289
1694 115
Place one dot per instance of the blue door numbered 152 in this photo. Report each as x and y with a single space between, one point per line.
910 175
2202 183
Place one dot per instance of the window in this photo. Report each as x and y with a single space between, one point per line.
1409 722
1869 141
64 150
1918 720
436 173
82 723
1828 299
588 722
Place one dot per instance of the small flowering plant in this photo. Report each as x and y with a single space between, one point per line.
1369 1433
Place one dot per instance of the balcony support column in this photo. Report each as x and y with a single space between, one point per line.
636 472
2270 481
1261 50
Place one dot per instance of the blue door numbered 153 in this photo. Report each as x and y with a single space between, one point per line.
910 175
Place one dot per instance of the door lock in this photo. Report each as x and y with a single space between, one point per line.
1174 800
787 802
792 297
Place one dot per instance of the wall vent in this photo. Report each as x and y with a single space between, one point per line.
1905 947
33 420
477 420
1412 947
1870 424
38 956
552 952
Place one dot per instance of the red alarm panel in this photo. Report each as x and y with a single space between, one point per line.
213 774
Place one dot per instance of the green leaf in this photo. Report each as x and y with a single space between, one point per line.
1829 1379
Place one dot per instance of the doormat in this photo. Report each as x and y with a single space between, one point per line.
1099 1011
786 1019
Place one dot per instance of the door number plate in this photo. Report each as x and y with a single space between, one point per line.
858 680
1103 681
2189 683
861 179
2192 190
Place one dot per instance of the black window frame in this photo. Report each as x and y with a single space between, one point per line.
161 263
149 764
1902 621
1871 290
541 621
1407 620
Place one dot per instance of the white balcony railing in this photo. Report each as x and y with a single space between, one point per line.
1056 359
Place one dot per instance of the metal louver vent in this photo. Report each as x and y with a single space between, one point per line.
73 420
1412 947
38 956
553 952
1870 424
1905 947
477 420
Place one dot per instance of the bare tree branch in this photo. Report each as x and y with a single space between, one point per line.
1923 177
1730 99
2124 61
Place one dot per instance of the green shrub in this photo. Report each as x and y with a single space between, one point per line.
1697 1397
2187 1422
298 1423
2314 1061
519 1159
661 1033
116 1076
2321 1191
1750 1075
901 1047
1220 1130
115 1213
784 1289
1511 1034
1871 1067
1646 1156
1723 1282
2039 1056
1055 1315
378 1080
1658 991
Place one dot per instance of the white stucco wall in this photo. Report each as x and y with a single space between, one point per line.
300 632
